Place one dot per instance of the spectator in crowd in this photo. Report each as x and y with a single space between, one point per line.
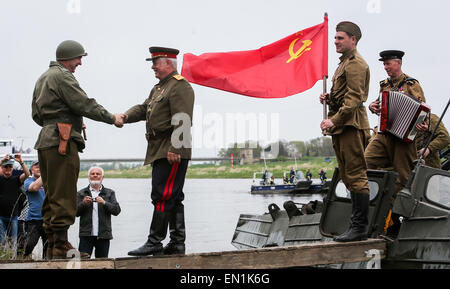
11 199
96 204
34 226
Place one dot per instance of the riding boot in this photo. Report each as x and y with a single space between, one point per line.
352 196
177 232
158 232
359 220
62 249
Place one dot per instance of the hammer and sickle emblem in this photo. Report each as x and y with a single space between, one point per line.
300 52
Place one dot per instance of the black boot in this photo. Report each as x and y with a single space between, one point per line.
359 219
158 232
177 232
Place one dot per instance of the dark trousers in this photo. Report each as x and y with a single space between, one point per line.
60 175
88 243
21 237
167 184
167 196
35 230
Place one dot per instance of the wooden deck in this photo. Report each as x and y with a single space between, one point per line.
266 258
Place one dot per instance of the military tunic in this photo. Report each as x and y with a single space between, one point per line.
172 96
350 134
58 97
388 151
439 142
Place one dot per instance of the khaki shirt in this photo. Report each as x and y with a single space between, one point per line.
169 97
439 142
410 87
58 97
348 93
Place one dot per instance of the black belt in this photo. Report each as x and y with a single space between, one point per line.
154 135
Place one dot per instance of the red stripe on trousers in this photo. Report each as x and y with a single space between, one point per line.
168 187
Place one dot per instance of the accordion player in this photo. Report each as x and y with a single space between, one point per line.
400 113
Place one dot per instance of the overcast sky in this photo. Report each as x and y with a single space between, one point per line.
118 33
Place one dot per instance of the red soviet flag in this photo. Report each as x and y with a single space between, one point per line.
286 67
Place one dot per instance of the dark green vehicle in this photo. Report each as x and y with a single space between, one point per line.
424 204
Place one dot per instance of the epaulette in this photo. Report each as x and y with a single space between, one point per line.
178 77
411 81
384 82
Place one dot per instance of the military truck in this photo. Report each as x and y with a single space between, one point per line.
424 204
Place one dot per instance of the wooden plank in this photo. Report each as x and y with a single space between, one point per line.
60 264
266 258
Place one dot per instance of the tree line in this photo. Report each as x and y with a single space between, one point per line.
317 147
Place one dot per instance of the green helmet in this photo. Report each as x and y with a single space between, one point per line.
69 49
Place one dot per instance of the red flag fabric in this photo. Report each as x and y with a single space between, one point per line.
287 67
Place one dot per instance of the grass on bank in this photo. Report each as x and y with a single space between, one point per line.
226 171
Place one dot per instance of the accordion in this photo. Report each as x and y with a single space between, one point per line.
400 113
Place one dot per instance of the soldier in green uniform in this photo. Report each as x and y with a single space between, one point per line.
168 150
439 142
386 150
349 126
58 106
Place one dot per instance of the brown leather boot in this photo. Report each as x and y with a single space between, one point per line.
62 247
50 243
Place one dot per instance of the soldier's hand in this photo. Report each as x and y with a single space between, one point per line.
427 152
173 158
324 97
374 107
118 120
326 124
422 126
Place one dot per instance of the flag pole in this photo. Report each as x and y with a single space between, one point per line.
325 77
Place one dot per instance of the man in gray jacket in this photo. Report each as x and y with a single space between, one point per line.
96 204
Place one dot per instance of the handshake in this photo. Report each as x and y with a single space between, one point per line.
120 119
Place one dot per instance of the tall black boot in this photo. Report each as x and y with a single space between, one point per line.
158 232
177 232
359 219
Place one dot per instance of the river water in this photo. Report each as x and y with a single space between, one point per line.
212 209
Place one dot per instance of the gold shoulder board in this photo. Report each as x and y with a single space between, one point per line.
384 82
178 77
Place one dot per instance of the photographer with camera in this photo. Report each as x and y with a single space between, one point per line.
96 204
11 198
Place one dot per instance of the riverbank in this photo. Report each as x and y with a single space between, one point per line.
227 171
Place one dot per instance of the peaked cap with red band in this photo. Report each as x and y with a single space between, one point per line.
157 52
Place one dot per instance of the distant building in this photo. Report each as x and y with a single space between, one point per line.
246 156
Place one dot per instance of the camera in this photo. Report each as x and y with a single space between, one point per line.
11 157
94 199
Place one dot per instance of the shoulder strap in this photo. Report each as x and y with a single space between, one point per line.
405 81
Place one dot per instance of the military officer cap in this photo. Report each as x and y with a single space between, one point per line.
351 28
391 54
157 52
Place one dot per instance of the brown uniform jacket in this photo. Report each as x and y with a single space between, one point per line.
170 96
58 97
410 87
348 93
439 142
